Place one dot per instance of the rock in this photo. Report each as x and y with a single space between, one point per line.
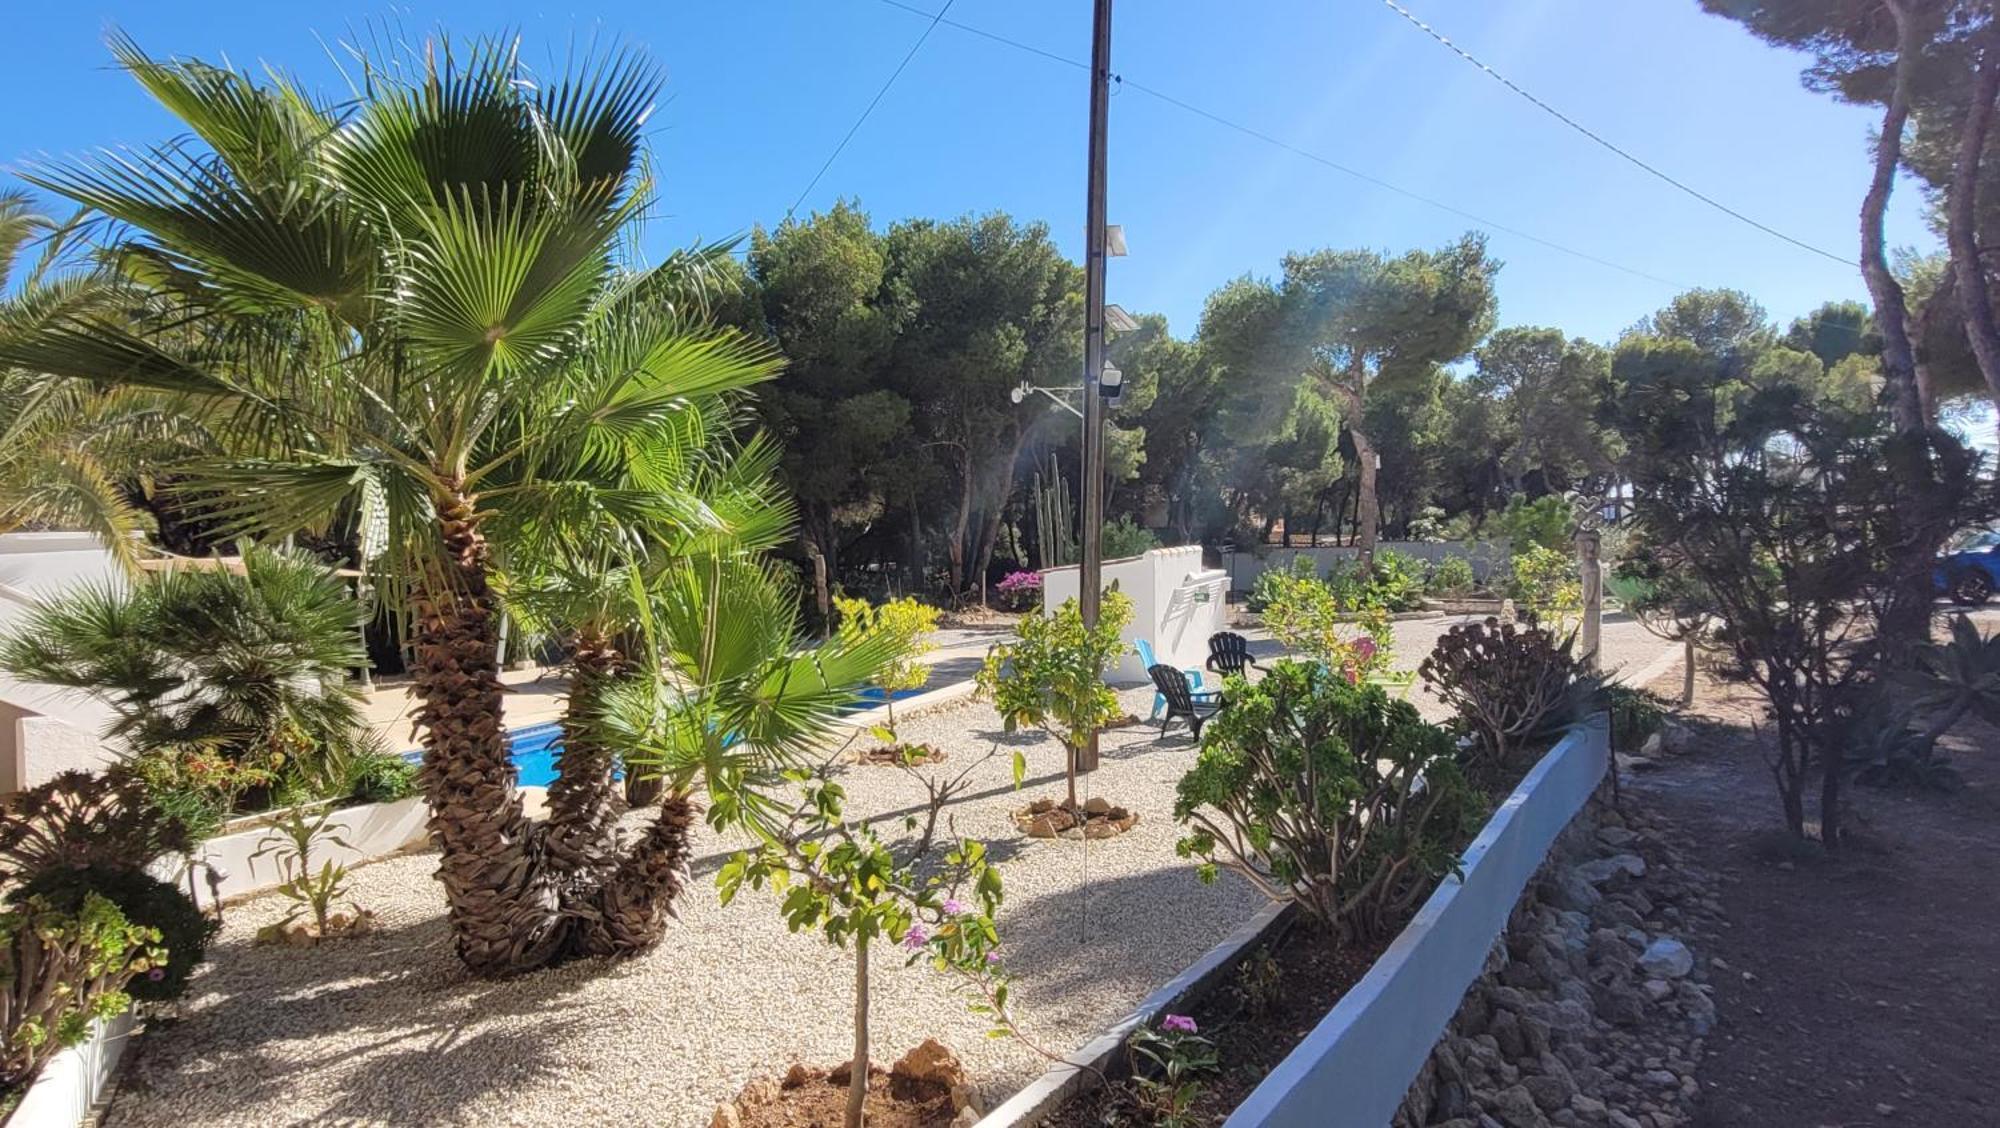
1616 837
1653 745
1590 1108
930 1061
1620 1120
796 1076
1549 1092
1666 958
966 1118
1096 805
1516 1108
1044 825
1619 1005
1665 1079
726 1116
1568 890
1657 989
1602 870
1506 1030
764 1090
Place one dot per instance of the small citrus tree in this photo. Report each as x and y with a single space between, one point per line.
842 880
1052 677
1309 616
905 623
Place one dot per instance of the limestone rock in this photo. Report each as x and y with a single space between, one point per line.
1666 958
930 1061
726 1116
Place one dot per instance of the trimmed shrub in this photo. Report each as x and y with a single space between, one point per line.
1452 577
1327 794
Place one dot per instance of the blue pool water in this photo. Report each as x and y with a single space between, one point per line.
534 747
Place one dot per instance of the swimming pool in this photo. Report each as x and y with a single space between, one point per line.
533 748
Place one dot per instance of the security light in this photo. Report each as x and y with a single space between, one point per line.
1109 380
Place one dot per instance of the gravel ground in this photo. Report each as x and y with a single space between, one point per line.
387 1029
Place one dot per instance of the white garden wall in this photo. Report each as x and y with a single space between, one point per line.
371 830
1353 1070
1176 604
71 1082
45 731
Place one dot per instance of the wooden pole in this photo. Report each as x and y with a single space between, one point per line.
1092 567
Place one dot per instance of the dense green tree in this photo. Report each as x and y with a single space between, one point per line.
1544 389
981 305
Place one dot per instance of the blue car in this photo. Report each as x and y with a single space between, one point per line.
1969 571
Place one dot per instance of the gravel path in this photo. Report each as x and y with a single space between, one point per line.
387 1029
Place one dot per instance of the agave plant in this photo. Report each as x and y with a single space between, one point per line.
416 320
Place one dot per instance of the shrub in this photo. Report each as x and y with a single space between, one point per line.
1326 794
1020 591
1509 684
902 625
1545 522
1052 677
1309 616
58 971
79 821
1452 577
1126 537
381 777
1636 714
1546 580
1271 581
1396 583
184 930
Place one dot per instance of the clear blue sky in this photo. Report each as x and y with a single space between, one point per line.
759 91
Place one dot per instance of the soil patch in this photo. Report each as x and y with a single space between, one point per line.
1276 999
1046 818
1859 987
817 1098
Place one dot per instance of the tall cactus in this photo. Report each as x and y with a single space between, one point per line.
1055 519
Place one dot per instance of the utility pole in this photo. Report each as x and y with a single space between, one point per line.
1092 569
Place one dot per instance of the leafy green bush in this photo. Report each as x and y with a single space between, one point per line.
1313 618
1510 684
184 931
1327 794
60 969
381 777
1545 580
1271 581
1052 677
1451 577
1397 582
1636 714
1545 522
1126 537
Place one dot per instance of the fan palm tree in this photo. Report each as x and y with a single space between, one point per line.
71 452
414 317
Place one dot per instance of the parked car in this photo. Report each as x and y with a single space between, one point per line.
1969 570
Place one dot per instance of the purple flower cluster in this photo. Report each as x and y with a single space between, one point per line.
1017 583
1178 1024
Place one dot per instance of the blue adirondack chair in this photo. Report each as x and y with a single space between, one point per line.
1147 659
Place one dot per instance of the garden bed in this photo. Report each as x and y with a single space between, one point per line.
1346 1028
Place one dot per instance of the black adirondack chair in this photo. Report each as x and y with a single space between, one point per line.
1229 653
1191 705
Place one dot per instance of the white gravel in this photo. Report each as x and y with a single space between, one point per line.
387 1029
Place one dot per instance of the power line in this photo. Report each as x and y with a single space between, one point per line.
872 103
1295 150
1600 140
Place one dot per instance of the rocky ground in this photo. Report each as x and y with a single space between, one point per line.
1596 1006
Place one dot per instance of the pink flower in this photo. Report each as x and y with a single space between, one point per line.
157 974
953 907
1178 1024
916 937
992 958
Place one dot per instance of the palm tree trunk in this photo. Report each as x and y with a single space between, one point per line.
633 907
580 836
501 904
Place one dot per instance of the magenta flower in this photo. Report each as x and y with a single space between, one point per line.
157 974
953 907
992 958
1178 1024
916 937
1364 649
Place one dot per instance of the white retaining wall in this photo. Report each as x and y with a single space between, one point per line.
371 830
1355 1067
1176 604
1245 565
72 1081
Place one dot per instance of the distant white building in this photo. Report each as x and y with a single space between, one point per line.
45 730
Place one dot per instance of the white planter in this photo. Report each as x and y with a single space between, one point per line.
1353 1070
71 1082
371 830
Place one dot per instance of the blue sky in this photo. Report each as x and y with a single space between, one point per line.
759 91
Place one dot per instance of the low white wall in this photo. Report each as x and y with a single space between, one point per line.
1355 1067
1245 565
1176 604
371 830
72 1081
